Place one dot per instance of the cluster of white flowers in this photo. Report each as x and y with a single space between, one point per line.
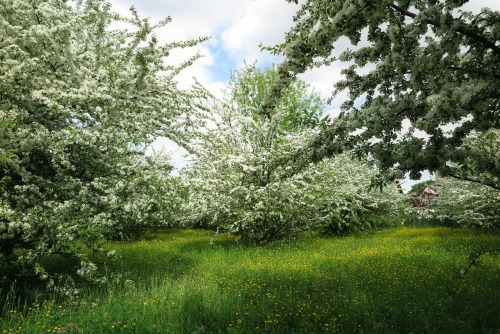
466 204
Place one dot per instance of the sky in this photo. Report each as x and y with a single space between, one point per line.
236 28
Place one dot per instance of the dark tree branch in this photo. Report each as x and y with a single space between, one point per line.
472 180
54 67
474 261
462 30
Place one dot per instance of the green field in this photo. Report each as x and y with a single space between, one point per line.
401 280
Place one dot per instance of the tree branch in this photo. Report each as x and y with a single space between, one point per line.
474 261
462 30
472 180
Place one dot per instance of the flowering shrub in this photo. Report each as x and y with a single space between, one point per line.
342 199
467 204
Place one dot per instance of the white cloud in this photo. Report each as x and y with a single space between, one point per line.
236 27
179 157
417 133
449 127
195 18
199 69
333 113
322 80
263 22
407 183
476 6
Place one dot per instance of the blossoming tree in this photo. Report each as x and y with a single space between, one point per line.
79 102
431 63
238 182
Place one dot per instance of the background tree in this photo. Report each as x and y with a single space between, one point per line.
235 178
79 102
462 203
428 62
238 184
335 196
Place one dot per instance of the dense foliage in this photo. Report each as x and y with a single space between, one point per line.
238 183
79 102
481 156
466 204
428 62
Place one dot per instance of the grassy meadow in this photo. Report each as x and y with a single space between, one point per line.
400 280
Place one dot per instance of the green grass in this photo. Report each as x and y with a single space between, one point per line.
393 281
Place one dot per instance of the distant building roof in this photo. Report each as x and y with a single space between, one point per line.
422 199
428 192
